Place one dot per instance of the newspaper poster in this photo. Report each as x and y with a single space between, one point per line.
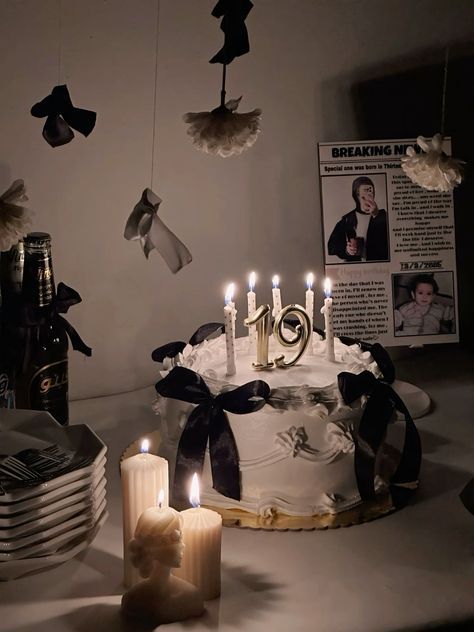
389 246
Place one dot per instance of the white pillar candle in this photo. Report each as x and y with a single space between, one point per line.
276 293
229 323
202 533
143 476
328 322
310 307
251 308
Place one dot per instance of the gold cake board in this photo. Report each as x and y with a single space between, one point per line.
278 521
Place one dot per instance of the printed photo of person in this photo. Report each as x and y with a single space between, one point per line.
424 304
362 233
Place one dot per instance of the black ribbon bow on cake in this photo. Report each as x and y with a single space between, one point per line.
65 298
208 422
382 403
171 349
62 116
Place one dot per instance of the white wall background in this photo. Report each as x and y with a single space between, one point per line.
256 211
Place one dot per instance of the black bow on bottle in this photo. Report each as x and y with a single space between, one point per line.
171 349
61 116
208 422
382 402
236 40
65 298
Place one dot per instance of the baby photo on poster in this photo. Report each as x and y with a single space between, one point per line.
355 218
423 304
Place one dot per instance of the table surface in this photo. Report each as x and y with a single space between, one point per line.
410 570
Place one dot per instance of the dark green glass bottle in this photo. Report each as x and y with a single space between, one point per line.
11 277
42 375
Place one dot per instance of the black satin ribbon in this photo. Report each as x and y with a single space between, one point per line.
208 422
382 402
171 349
379 354
236 41
62 116
65 298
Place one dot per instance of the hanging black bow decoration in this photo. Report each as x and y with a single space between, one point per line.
171 349
236 42
145 224
208 422
65 298
62 116
382 402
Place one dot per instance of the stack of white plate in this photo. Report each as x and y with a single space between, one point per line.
48 522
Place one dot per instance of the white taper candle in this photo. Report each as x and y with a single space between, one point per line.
229 322
251 307
310 308
276 294
328 321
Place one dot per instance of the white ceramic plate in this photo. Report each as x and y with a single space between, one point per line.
64 511
52 531
81 500
22 429
49 541
81 485
18 568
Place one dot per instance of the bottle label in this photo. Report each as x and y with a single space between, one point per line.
49 390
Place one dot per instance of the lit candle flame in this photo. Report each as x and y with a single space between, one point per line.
310 280
229 293
145 446
194 498
161 498
276 280
327 287
252 279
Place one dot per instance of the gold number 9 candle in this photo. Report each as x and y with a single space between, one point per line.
302 337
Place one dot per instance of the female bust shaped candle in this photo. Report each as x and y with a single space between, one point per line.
156 548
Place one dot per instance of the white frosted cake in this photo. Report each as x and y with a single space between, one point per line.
297 452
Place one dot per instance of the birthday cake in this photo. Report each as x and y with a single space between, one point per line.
318 441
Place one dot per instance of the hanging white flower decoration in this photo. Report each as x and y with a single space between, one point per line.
224 131
433 169
15 219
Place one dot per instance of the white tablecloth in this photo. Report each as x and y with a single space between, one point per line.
411 570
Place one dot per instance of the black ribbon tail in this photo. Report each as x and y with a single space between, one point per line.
81 120
224 456
405 479
191 449
372 429
76 341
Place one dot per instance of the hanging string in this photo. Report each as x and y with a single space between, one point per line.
224 66
60 38
155 94
445 83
